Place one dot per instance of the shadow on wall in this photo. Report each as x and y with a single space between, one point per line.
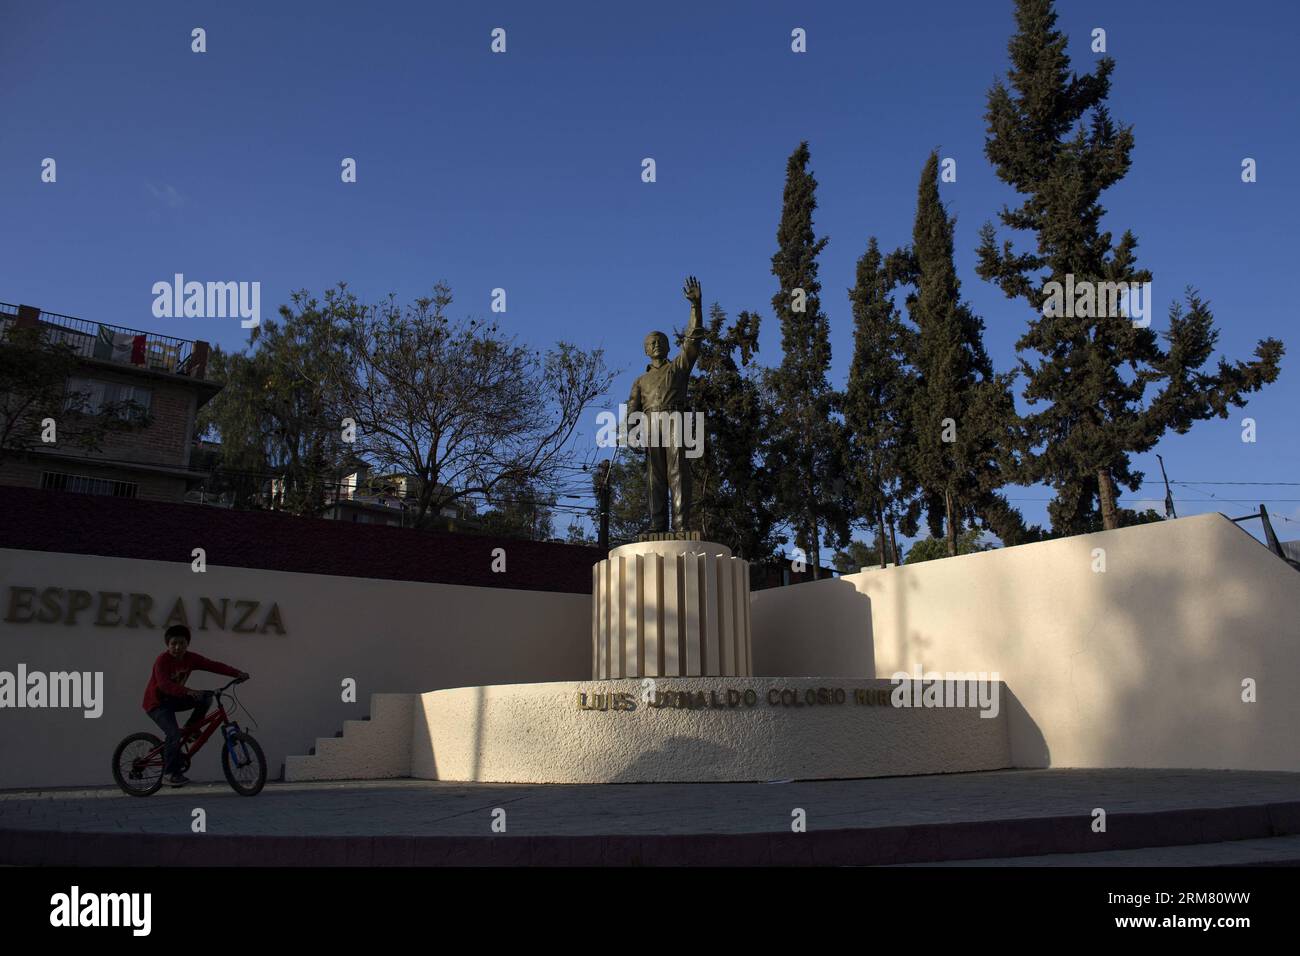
826 632
1125 648
424 758
1028 745
679 758
1201 619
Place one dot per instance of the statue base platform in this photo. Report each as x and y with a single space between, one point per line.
675 731
670 608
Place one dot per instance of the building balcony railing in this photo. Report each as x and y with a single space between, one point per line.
111 343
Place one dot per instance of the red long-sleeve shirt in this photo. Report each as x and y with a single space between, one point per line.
170 673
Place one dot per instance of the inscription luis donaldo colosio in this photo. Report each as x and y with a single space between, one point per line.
730 698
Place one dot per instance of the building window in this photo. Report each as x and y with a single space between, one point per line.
81 484
93 396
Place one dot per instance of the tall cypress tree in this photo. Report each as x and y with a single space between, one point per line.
807 442
1051 137
877 401
961 410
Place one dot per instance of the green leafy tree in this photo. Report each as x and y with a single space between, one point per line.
806 450
517 509
236 425
279 442
859 555
628 493
732 489
928 549
577 533
1102 387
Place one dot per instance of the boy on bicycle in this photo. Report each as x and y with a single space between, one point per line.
167 694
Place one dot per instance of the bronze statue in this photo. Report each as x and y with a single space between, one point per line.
663 389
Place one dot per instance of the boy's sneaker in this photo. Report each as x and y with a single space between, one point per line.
176 780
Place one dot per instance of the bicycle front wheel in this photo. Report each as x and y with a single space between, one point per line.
244 765
134 770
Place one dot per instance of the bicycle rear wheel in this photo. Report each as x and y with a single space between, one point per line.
133 770
244 765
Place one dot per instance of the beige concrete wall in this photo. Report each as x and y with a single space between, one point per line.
389 636
1139 666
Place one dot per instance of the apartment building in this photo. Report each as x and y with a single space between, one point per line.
164 376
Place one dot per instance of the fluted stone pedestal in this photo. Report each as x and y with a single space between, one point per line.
670 609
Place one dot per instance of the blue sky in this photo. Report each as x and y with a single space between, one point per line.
522 170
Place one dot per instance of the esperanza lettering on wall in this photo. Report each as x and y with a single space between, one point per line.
51 605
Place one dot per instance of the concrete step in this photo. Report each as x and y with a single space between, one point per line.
375 746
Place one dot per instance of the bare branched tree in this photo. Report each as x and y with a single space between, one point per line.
457 405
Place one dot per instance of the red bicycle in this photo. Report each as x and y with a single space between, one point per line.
138 760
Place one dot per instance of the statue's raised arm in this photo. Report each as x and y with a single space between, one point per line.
695 327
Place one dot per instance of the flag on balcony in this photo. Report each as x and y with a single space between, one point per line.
115 346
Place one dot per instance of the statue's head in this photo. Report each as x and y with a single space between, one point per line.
656 346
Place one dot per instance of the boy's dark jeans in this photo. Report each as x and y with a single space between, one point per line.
164 715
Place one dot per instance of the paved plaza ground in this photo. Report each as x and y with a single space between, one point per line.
1003 817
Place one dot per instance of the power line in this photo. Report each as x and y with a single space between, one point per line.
1195 501
1291 484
